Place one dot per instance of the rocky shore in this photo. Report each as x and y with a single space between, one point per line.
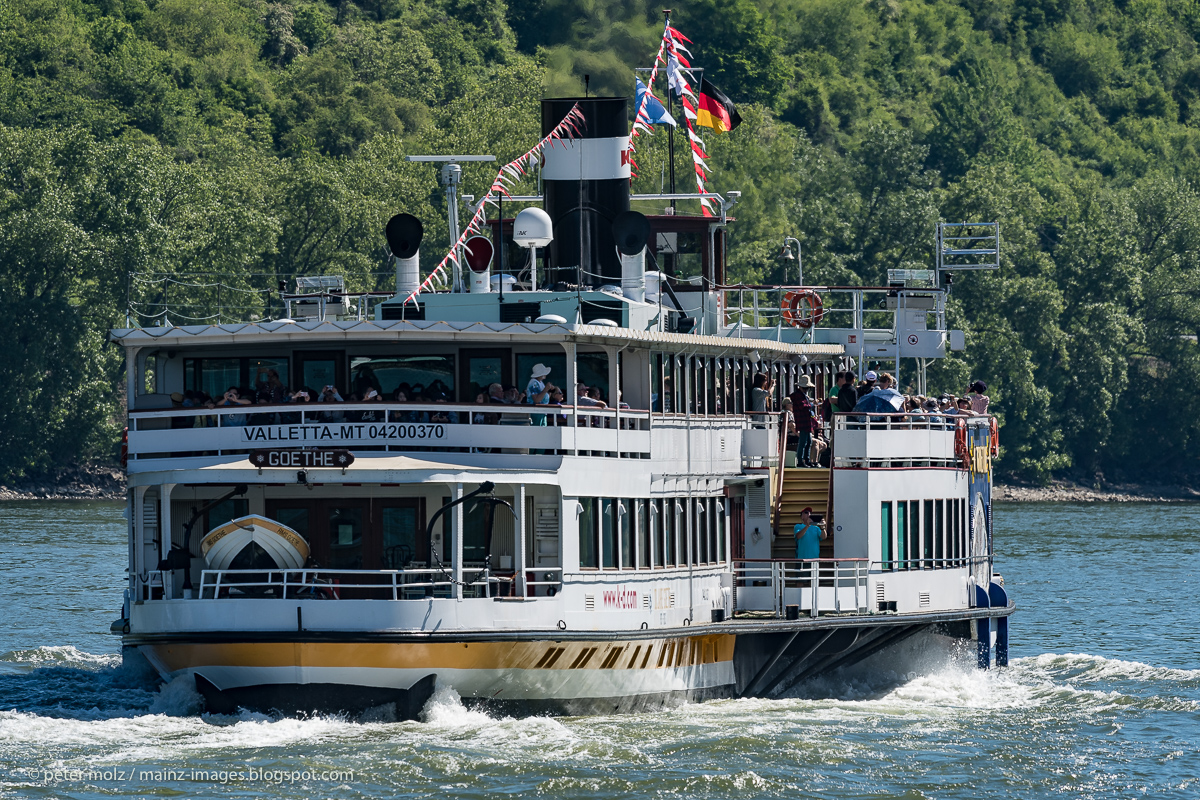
1068 492
78 483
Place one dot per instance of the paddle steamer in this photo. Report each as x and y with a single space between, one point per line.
560 557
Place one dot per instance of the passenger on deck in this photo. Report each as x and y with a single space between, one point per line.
536 393
760 399
274 391
847 396
979 400
809 536
787 423
868 384
803 409
371 415
964 408
233 397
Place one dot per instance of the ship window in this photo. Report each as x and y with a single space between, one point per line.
234 508
643 533
901 538
259 371
669 518
657 525
593 370
656 383
722 520
885 535
608 539
475 519
668 384
625 526
711 404
345 538
714 551
213 376
927 548
399 536
385 373
295 518
588 519
939 532
914 534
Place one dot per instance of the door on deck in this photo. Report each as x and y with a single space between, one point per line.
480 368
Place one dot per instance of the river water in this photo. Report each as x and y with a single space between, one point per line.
1102 699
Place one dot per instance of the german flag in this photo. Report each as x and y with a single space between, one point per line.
715 110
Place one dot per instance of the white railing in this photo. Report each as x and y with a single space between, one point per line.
816 586
397 427
909 438
368 584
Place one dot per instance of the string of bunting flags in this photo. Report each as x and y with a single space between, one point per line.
711 109
572 125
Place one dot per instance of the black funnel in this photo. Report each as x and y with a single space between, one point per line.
585 184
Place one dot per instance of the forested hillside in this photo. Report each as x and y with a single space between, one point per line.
252 140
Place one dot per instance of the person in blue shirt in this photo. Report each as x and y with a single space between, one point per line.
809 536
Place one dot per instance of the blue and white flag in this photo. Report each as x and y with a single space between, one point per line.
655 113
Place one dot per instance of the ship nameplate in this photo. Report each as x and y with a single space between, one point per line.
302 459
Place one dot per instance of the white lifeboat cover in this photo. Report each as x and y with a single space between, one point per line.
222 544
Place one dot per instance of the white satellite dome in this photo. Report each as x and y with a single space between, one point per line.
532 228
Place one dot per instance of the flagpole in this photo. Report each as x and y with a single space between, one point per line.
670 134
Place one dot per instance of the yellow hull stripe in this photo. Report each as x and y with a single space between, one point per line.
648 654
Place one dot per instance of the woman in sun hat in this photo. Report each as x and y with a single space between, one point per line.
536 393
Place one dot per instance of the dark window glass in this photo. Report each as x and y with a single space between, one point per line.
587 533
399 537
927 550
669 517
885 535
345 538
643 532
608 539
656 522
433 373
901 537
625 523
592 369
226 511
939 531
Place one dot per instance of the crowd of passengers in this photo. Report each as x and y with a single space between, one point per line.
273 392
875 394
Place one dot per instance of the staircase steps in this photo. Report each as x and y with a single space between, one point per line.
802 487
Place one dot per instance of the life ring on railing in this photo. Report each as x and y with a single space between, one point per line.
995 437
791 308
960 442
125 448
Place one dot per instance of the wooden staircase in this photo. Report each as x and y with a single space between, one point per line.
801 488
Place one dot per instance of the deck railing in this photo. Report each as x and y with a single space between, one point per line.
369 584
901 439
816 586
391 427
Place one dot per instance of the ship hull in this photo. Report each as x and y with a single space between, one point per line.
583 673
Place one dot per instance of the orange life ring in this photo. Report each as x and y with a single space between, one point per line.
960 442
791 308
995 437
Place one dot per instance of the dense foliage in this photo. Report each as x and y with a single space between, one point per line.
249 140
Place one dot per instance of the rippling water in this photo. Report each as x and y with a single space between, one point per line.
1102 699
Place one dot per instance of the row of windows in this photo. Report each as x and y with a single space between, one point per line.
923 534
704 385
640 533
